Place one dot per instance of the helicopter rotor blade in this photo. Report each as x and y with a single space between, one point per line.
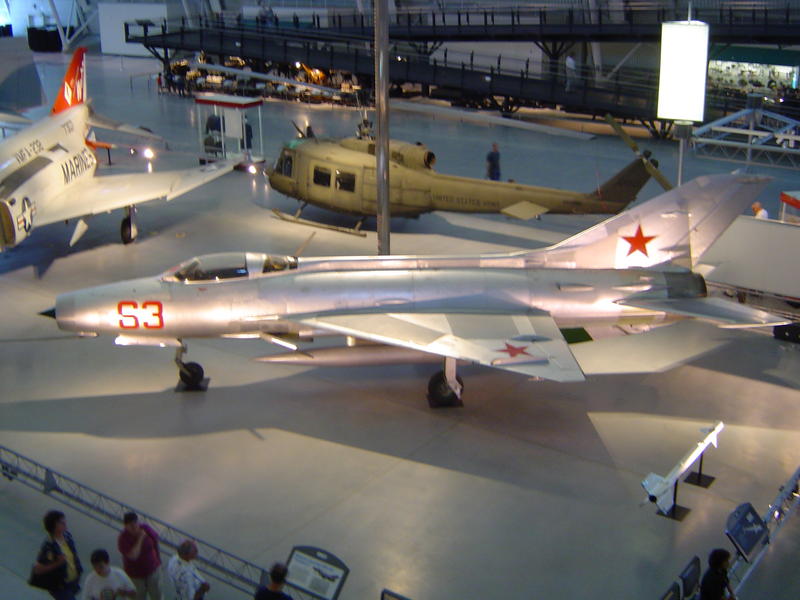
651 165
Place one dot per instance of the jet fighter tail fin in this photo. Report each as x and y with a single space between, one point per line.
675 227
623 187
73 89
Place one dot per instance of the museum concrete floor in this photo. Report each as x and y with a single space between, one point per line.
531 490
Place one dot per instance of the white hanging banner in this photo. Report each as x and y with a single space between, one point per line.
684 62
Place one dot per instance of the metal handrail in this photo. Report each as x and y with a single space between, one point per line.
212 560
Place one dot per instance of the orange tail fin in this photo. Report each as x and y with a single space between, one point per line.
73 88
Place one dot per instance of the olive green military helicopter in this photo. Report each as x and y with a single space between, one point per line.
339 175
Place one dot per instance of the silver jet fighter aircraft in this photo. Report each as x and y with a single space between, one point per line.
499 310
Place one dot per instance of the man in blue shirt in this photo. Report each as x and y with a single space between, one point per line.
493 163
277 579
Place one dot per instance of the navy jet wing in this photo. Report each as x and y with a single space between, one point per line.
528 344
110 192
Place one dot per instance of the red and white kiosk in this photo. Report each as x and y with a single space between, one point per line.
790 207
225 129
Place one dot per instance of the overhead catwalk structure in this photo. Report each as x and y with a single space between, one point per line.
754 135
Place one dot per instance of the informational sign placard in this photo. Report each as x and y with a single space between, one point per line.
673 593
690 577
745 529
316 572
390 595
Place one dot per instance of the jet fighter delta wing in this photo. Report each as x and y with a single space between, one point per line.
501 310
47 171
528 344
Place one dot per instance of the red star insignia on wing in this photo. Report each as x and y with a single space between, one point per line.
638 241
513 351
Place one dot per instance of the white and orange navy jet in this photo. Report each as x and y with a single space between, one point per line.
47 171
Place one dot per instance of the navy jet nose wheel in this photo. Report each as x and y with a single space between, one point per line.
440 394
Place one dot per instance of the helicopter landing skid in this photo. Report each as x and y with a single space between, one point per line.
292 219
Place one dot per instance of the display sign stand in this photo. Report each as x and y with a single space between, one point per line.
677 512
316 572
699 478
746 530
658 488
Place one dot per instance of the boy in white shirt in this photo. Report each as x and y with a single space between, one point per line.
106 582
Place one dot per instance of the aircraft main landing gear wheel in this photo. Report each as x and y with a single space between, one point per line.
192 376
127 229
789 333
440 394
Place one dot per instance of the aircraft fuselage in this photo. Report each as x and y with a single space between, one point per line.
168 308
329 175
38 163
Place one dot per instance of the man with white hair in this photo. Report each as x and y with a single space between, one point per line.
189 584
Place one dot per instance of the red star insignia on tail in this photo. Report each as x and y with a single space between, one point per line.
513 351
638 241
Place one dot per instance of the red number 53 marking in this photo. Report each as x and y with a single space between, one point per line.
151 314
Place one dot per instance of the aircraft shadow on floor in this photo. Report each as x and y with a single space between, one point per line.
526 428
50 243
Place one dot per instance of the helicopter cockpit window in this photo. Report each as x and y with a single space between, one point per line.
345 181
322 176
279 263
284 164
212 267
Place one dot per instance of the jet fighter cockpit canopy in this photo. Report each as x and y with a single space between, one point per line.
228 265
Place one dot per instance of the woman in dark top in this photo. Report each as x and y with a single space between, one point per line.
58 558
715 584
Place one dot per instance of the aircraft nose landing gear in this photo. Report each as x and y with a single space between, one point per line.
191 374
445 387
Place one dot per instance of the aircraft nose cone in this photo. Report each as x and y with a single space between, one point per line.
50 312
64 312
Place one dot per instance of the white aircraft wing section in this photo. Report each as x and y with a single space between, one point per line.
655 351
527 344
96 120
727 313
104 194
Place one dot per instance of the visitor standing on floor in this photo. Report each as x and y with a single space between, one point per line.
572 72
493 163
106 582
759 212
189 584
277 579
58 563
138 544
715 584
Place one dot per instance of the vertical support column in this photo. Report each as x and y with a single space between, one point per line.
381 51
683 131
59 27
